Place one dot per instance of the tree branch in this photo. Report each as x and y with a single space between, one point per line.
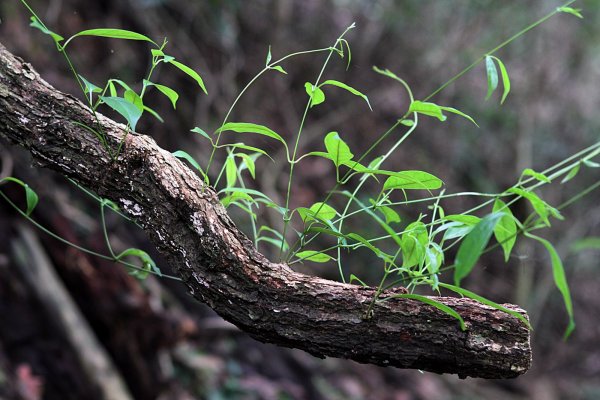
221 267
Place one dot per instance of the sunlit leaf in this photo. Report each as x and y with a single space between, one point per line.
315 93
312 255
111 33
279 68
247 127
410 180
35 23
338 150
537 175
231 171
569 10
167 91
572 173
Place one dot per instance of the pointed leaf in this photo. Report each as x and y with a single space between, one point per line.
492 76
473 245
410 180
440 306
338 150
111 33
247 127
315 93
189 72
506 229
350 89
312 255
127 109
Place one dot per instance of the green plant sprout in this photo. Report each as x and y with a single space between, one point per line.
411 256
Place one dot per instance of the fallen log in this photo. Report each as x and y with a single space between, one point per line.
220 266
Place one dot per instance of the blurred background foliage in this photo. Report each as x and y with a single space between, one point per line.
550 114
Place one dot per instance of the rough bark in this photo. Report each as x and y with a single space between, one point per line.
220 266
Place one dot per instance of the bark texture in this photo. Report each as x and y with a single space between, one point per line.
220 266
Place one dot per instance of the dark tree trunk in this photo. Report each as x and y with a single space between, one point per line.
220 266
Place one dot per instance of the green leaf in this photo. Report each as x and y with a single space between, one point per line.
473 245
247 127
315 93
183 155
134 99
279 68
434 110
189 72
148 263
312 255
167 91
248 162
560 280
505 79
31 197
414 242
458 112
569 10
407 122
539 206
36 23
231 171
323 211
350 89
111 33
390 215
126 108
364 242
471 295
338 150
440 306
153 113
537 175
201 132
506 229
463 219
278 237
492 76
425 108
409 180
249 148
89 87
571 173
268 60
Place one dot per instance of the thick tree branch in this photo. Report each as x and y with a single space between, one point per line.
220 266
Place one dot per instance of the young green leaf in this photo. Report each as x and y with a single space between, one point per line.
202 133
268 60
505 79
134 99
414 242
148 263
506 229
126 108
390 215
537 175
560 280
471 295
572 173
410 180
473 245
183 155
458 112
425 108
89 87
463 219
189 72
323 211
350 89
167 91
312 255
111 33
231 171
247 127
569 10
315 93
35 23
428 300
591 164
31 197
492 76
279 68
338 150
248 162
539 206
